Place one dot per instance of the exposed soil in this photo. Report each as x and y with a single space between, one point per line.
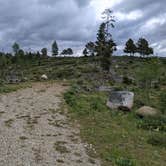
35 132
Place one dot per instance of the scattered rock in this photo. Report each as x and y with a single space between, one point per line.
105 88
117 66
44 77
24 79
146 111
115 77
122 100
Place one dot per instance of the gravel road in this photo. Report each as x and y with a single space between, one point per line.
35 132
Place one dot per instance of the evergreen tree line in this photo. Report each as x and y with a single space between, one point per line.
141 47
19 56
43 53
104 46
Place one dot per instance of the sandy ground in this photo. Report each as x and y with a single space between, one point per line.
34 131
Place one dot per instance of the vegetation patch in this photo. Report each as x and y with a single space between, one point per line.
118 138
124 162
11 88
9 122
23 138
53 111
1 113
156 123
158 140
59 146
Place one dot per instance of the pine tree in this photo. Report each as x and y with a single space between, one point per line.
143 47
85 52
44 52
54 49
67 51
105 46
90 48
101 40
16 48
130 47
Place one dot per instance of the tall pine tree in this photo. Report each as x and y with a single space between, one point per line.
16 48
143 47
130 47
105 46
54 49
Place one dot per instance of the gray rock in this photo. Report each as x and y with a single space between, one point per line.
122 100
12 79
147 111
105 88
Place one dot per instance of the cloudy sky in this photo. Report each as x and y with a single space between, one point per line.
34 24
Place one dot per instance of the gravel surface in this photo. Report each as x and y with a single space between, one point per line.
35 132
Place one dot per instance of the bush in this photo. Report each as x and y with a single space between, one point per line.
155 123
70 96
139 103
163 102
1 82
157 140
65 73
124 162
127 80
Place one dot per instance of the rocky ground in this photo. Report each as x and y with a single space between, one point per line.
35 132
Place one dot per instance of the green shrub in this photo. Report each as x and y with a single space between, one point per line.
82 103
139 103
155 123
70 96
1 82
163 101
157 140
65 73
127 80
124 162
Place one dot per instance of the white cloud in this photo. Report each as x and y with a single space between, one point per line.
100 5
133 15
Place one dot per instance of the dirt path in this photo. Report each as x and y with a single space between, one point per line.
34 132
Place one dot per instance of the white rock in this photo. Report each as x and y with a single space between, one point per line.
44 77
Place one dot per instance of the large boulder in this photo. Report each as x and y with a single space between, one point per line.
146 111
122 100
44 77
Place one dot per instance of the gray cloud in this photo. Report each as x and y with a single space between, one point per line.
151 25
36 23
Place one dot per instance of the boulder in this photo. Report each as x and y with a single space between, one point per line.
13 79
44 77
122 100
146 111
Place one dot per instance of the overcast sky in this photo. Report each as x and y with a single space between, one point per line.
36 23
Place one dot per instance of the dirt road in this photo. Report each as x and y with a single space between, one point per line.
34 132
